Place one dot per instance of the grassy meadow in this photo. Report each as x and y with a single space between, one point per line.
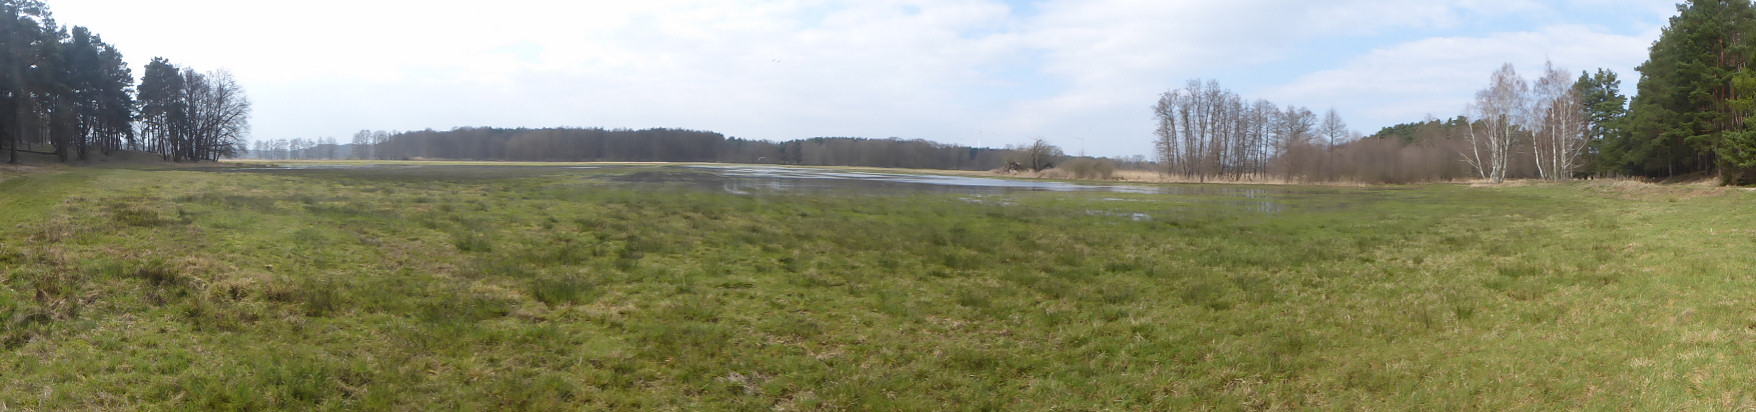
556 289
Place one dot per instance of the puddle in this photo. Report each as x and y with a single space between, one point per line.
1134 216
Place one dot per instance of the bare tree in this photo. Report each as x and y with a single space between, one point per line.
1166 145
1297 124
1561 125
362 145
1500 109
331 148
1042 155
379 140
1334 130
216 118
1263 115
1205 131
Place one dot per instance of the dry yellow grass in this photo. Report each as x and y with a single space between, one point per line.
1148 176
1627 188
9 171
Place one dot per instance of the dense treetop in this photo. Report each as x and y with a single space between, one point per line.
1688 115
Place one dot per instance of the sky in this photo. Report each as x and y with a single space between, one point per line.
1082 74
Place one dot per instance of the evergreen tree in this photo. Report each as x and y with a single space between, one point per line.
102 88
160 89
49 89
23 24
1737 150
81 77
1678 117
1605 111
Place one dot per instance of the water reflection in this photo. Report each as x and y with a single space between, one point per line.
742 179
752 180
755 180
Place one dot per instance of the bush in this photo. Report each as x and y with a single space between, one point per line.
1090 169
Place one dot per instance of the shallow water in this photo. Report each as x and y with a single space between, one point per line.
751 179
756 179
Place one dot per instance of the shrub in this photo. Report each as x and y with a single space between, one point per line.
1090 169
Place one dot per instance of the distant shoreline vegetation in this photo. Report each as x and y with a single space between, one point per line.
645 145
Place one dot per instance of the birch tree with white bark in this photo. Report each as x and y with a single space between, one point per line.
1500 109
1561 130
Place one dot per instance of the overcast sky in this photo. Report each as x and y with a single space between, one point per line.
1081 73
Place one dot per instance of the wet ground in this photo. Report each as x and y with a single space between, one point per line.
753 179
756 179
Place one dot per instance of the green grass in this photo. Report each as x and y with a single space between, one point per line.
448 289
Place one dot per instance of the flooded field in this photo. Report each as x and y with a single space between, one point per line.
750 179
783 180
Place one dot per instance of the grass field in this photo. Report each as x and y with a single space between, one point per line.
429 289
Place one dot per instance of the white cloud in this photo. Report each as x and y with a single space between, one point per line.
1120 53
1438 76
949 70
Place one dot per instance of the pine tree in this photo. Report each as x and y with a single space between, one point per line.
1606 109
20 29
1737 148
1678 117
160 89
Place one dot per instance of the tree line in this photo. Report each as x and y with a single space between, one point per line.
1206 132
645 145
65 92
1694 97
1555 127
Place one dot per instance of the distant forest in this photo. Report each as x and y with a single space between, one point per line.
648 145
67 93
